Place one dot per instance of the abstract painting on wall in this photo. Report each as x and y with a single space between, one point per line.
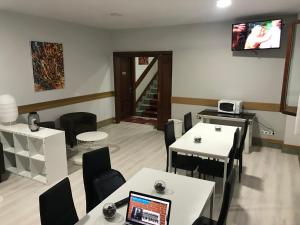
48 65
143 60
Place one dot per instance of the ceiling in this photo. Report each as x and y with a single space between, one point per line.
120 14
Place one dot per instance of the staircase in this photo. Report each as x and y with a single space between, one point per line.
146 105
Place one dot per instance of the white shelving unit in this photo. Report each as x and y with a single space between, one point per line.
39 155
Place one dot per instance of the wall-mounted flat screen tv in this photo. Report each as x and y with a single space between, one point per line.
256 35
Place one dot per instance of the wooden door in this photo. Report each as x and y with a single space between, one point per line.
123 87
164 89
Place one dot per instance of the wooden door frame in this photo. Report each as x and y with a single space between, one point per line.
132 54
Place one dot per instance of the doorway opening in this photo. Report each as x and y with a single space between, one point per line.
143 82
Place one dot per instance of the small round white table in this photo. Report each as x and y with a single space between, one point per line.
89 141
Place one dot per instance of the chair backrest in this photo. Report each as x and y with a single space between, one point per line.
233 151
188 123
169 139
2 167
169 134
94 163
227 197
57 206
243 137
107 183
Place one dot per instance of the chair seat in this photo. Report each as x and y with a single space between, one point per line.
212 167
204 221
186 162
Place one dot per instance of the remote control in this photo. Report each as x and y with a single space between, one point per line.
122 202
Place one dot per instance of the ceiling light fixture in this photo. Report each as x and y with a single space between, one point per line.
115 14
223 3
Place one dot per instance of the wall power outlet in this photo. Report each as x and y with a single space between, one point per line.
267 132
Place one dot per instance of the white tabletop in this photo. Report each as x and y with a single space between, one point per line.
188 196
214 143
92 136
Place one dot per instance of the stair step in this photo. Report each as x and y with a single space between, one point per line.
152 114
152 95
139 112
147 107
149 102
150 99
152 91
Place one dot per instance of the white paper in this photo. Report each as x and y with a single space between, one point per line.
297 124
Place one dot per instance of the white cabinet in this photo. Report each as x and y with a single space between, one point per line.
37 155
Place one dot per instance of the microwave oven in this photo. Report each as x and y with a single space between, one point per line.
230 106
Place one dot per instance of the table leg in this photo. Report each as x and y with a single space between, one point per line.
170 161
212 197
248 139
225 173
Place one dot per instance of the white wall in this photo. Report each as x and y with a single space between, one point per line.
290 138
87 63
205 67
294 72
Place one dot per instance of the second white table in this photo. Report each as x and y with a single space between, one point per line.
89 141
214 144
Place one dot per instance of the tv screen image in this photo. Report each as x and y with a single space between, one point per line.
256 35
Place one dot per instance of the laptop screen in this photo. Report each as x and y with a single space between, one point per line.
147 210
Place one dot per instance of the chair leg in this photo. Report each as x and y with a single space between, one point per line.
240 168
167 166
175 170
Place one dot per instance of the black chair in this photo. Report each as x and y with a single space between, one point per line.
77 123
239 152
183 162
188 124
216 168
47 124
57 206
2 167
100 180
227 197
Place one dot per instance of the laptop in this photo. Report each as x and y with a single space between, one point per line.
147 210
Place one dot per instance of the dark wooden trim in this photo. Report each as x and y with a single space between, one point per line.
106 122
63 102
289 52
144 74
116 63
146 88
133 75
142 53
195 101
262 106
267 142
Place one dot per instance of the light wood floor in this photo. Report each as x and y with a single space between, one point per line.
268 195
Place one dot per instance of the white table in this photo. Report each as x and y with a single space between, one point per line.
215 144
209 114
189 196
88 141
